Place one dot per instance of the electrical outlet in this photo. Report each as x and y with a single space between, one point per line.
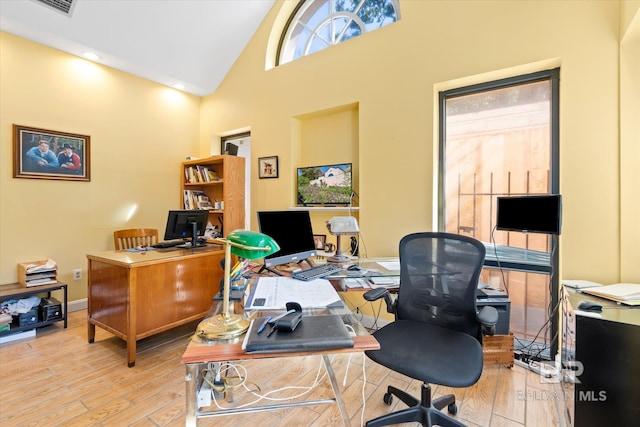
204 395
77 274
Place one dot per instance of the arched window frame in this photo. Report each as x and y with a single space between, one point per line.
325 23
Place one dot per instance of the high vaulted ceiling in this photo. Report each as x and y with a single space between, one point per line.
192 42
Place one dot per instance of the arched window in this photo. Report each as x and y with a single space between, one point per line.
318 24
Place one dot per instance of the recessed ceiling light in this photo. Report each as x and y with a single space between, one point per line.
91 56
179 86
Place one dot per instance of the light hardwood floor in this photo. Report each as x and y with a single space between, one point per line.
58 379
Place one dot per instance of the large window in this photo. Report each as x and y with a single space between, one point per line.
318 24
500 139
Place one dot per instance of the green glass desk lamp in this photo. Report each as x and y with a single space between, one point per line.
244 244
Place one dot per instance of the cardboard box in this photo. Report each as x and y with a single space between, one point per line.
498 350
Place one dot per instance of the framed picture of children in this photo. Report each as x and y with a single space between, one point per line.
320 240
48 154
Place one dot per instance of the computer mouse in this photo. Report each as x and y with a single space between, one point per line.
589 306
354 268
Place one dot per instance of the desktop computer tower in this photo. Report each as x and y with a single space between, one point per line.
503 307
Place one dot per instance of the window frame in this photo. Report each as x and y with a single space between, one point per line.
293 19
553 76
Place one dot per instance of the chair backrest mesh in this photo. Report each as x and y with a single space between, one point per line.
439 275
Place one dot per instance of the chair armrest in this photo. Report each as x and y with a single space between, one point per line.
376 294
488 317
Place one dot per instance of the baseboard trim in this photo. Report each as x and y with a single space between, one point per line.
77 305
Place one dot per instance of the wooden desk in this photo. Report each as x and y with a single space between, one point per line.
134 295
199 355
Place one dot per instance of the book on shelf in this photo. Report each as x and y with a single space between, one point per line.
196 199
202 201
200 174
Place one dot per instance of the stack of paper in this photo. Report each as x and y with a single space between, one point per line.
36 273
626 293
273 293
384 282
580 284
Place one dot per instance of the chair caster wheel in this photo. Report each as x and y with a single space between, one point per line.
387 398
452 408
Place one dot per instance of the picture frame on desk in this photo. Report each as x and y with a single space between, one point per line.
268 167
47 154
319 241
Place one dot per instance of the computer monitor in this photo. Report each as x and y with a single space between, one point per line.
292 231
186 224
530 214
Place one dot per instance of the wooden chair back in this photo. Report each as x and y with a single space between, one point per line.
132 237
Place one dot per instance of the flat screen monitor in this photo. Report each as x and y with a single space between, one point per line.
292 231
530 214
325 185
186 224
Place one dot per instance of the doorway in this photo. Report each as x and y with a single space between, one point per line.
240 145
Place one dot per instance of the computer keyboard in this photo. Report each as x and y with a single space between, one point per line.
167 244
317 272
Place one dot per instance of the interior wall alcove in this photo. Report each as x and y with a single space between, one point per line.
329 136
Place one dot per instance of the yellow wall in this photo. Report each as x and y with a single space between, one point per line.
393 75
139 132
387 80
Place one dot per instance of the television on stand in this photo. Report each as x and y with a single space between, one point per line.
187 224
292 231
327 185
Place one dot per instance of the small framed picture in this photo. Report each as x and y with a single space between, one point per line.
48 154
268 167
320 240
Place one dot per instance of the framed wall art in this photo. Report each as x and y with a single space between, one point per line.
268 167
48 154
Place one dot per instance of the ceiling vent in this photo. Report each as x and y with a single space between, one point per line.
64 6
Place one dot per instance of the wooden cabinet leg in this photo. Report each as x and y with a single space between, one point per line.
91 332
131 352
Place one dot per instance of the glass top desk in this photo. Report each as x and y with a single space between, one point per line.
373 271
201 352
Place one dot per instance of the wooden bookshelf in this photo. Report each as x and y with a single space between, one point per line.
221 179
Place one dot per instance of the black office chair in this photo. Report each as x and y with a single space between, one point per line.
437 335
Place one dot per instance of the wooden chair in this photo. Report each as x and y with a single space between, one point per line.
132 237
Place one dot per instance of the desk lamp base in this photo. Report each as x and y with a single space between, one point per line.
223 326
338 256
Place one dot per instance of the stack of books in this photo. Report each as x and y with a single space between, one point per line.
196 199
5 322
198 174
